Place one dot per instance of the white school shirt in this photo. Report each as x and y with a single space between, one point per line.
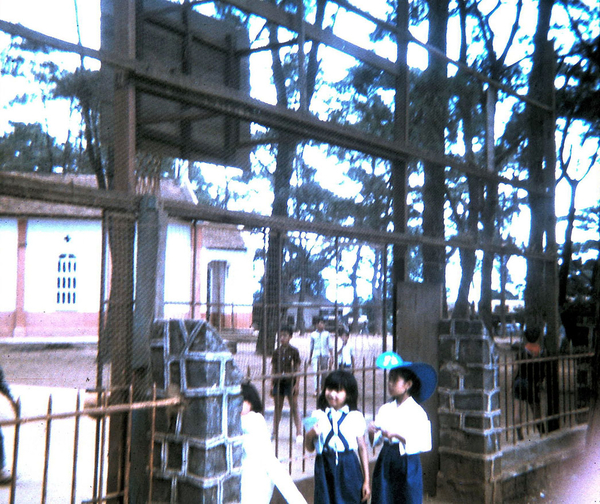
319 343
409 420
346 354
353 427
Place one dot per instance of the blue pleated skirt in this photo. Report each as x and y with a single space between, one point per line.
397 479
339 483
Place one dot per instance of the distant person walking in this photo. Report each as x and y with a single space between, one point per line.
346 351
321 353
5 475
286 360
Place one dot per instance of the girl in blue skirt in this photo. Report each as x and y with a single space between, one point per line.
338 435
405 430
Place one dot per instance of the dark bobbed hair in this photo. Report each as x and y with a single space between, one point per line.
407 375
250 394
340 380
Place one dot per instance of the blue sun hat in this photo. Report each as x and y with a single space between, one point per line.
424 372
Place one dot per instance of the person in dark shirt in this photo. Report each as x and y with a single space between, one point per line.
5 475
527 384
286 359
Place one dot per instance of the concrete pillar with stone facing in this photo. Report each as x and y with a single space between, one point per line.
198 451
469 414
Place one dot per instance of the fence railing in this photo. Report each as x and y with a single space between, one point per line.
563 393
554 396
63 455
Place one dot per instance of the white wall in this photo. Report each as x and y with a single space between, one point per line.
239 288
178 270
8 264
45 242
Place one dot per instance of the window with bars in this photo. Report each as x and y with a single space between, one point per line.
66 281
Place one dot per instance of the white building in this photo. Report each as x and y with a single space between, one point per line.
51 257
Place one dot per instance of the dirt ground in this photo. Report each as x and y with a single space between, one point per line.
68 366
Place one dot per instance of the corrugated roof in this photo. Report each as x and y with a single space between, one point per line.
222 237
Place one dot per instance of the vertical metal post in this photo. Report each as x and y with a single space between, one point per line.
194 266
13 483
301 57
122 231
124 138
75 448
47 452
399 166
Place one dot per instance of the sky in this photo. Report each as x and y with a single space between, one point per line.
58 18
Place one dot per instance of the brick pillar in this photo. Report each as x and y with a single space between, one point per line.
197 455
469 414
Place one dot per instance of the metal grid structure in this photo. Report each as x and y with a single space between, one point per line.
179 108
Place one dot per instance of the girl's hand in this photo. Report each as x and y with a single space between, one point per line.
319 428
373 428
366 492
310 437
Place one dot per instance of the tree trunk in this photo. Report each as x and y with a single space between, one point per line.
540 296
563 274
537 118
434 259
286 153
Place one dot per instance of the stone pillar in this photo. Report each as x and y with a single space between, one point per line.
198 451
469 414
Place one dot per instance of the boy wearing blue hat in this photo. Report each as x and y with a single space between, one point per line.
405 430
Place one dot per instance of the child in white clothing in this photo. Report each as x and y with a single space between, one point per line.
346 351
403 426
261 470
338 435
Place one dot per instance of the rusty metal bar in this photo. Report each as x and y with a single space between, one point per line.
46 452
128 447
75 446
13 483
102 450
152 440
108 410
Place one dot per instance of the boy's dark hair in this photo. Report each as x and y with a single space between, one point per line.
340 380
407 375
250 394
287 329
342 331
532 334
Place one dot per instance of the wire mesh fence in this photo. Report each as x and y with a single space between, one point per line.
301 170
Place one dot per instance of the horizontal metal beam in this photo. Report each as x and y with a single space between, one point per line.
33 188
233 103
29 187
